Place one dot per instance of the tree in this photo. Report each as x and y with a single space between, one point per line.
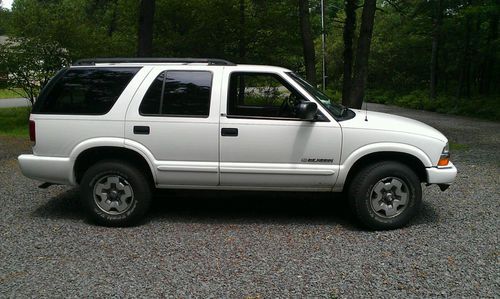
30 63
435 47
403 60
464 81
489 59
4 19
145 36
357 94
307 41
84 28
349 28
242 47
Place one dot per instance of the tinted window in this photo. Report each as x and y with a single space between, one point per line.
261 95
178 93
84 91
151 102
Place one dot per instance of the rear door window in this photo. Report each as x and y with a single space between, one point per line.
85 91
178 93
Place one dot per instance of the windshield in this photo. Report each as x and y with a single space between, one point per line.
334 108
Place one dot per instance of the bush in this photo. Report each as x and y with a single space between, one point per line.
478 106
417 99
334 95
381 96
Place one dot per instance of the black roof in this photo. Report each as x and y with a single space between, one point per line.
210 61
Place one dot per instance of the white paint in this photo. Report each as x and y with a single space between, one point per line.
267 154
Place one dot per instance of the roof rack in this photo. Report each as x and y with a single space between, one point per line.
210 61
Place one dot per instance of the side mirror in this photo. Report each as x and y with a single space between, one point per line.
307 110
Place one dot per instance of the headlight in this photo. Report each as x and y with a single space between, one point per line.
445 156
446 148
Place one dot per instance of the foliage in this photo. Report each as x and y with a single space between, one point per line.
202 28
403 38
14 121
30 63
479 106
4 19
400 59
334 95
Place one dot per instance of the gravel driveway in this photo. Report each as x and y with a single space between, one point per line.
259 245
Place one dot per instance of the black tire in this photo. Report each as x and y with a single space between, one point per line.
129 177
362 191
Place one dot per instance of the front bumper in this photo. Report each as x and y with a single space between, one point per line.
47 169
441 175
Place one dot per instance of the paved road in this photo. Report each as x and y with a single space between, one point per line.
15 102
259 245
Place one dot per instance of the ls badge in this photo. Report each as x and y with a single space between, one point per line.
316 160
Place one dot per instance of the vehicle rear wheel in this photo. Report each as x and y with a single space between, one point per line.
385 195
115 193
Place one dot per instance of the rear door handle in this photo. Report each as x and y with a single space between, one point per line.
229 132
141 130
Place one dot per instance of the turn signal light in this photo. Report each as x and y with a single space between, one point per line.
444 160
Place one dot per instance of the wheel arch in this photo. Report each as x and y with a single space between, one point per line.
409 160
408 155
92 155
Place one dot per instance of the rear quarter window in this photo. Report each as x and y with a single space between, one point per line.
84 91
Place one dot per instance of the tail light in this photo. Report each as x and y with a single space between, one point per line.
32 131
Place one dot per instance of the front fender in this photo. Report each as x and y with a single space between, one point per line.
377 148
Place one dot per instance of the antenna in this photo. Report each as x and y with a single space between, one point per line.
366 111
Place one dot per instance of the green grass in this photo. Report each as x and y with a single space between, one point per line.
454 146
8 93
14 121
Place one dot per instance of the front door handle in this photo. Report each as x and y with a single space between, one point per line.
141 130
229 132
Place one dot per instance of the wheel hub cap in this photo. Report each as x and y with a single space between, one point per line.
389 197
113 194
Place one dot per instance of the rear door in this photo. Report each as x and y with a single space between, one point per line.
175 116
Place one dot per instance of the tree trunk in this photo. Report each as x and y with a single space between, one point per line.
114 17
489 60
362 54
435 48
242 49
349 27
307 41
146 16
464 78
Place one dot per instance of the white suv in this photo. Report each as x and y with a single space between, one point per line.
119 128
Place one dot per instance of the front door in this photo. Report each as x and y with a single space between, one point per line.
175 116
263 144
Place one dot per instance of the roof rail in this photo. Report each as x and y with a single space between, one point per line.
210 61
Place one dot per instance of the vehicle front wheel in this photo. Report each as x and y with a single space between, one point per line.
385 195
115 193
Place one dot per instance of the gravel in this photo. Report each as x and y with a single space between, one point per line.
259 245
